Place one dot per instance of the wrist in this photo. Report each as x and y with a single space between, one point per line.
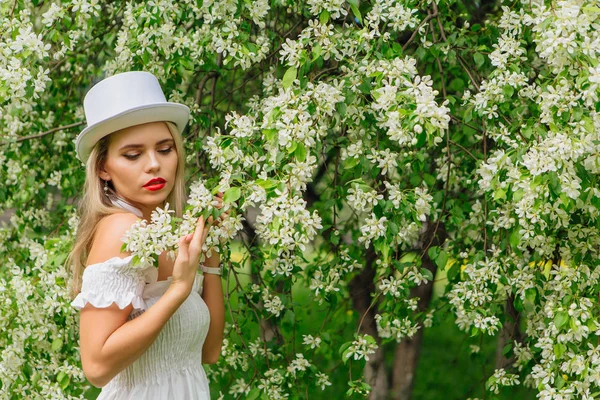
179 290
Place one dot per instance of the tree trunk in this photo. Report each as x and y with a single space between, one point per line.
361 290
268 331
406 357
510 331
407 352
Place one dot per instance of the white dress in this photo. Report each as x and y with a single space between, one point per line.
171 368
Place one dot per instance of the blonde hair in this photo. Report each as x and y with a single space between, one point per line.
95 204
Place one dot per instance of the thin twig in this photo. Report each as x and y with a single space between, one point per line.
463 149
53 130
465 124
463 64
205 78
414 34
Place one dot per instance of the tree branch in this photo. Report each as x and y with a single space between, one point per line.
39 135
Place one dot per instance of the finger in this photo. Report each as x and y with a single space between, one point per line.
219 202
197 241
199 229
183 247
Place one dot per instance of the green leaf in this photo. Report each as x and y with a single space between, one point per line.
515 238
507 349
356 12
335 239
316 51
479 59
57 344
266 183
429 179
341 108
344 347
186 63
559 382
518 304
324 17
65 383
232 194
560 319
433 252
345 351
289 77
442 260
351 162
292 147
254 394
453 271
409 257
427 274
499 194
146 57
370 339
300 152
531 295
559 350
468 114
288 317
269 134
593 9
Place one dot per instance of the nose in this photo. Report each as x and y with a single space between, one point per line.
152 163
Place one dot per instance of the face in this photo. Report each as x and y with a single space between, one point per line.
136 155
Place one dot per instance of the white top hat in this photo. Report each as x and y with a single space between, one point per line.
124 100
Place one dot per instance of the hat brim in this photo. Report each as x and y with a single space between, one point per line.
177 113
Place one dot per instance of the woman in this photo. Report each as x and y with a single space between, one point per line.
144 331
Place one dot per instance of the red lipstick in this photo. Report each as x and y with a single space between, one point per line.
155 184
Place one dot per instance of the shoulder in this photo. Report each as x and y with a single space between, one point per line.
107 239
121 221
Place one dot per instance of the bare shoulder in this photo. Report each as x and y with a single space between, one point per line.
107 238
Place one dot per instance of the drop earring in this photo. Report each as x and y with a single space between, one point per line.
105 186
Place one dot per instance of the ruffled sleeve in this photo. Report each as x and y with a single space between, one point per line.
113 281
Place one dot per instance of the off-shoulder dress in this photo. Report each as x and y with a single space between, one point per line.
171 368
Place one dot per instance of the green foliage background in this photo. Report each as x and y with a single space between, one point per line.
497 157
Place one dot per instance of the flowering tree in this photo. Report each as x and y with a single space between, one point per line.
364 146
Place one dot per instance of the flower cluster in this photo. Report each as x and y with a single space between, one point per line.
361 348
146 241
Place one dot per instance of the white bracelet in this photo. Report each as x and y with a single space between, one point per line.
213 271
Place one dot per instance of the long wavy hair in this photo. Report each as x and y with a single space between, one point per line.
96 204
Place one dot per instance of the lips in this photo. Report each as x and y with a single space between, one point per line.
155 181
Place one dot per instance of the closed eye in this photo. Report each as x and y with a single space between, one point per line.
134 156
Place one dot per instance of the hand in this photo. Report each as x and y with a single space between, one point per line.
222 217
190 249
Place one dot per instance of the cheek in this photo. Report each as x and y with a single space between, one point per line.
125 172
173 161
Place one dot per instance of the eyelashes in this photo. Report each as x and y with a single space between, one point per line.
134 156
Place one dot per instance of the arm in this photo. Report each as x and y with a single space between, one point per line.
108 342
108 352
212 294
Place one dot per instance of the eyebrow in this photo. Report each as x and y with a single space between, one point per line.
136 146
